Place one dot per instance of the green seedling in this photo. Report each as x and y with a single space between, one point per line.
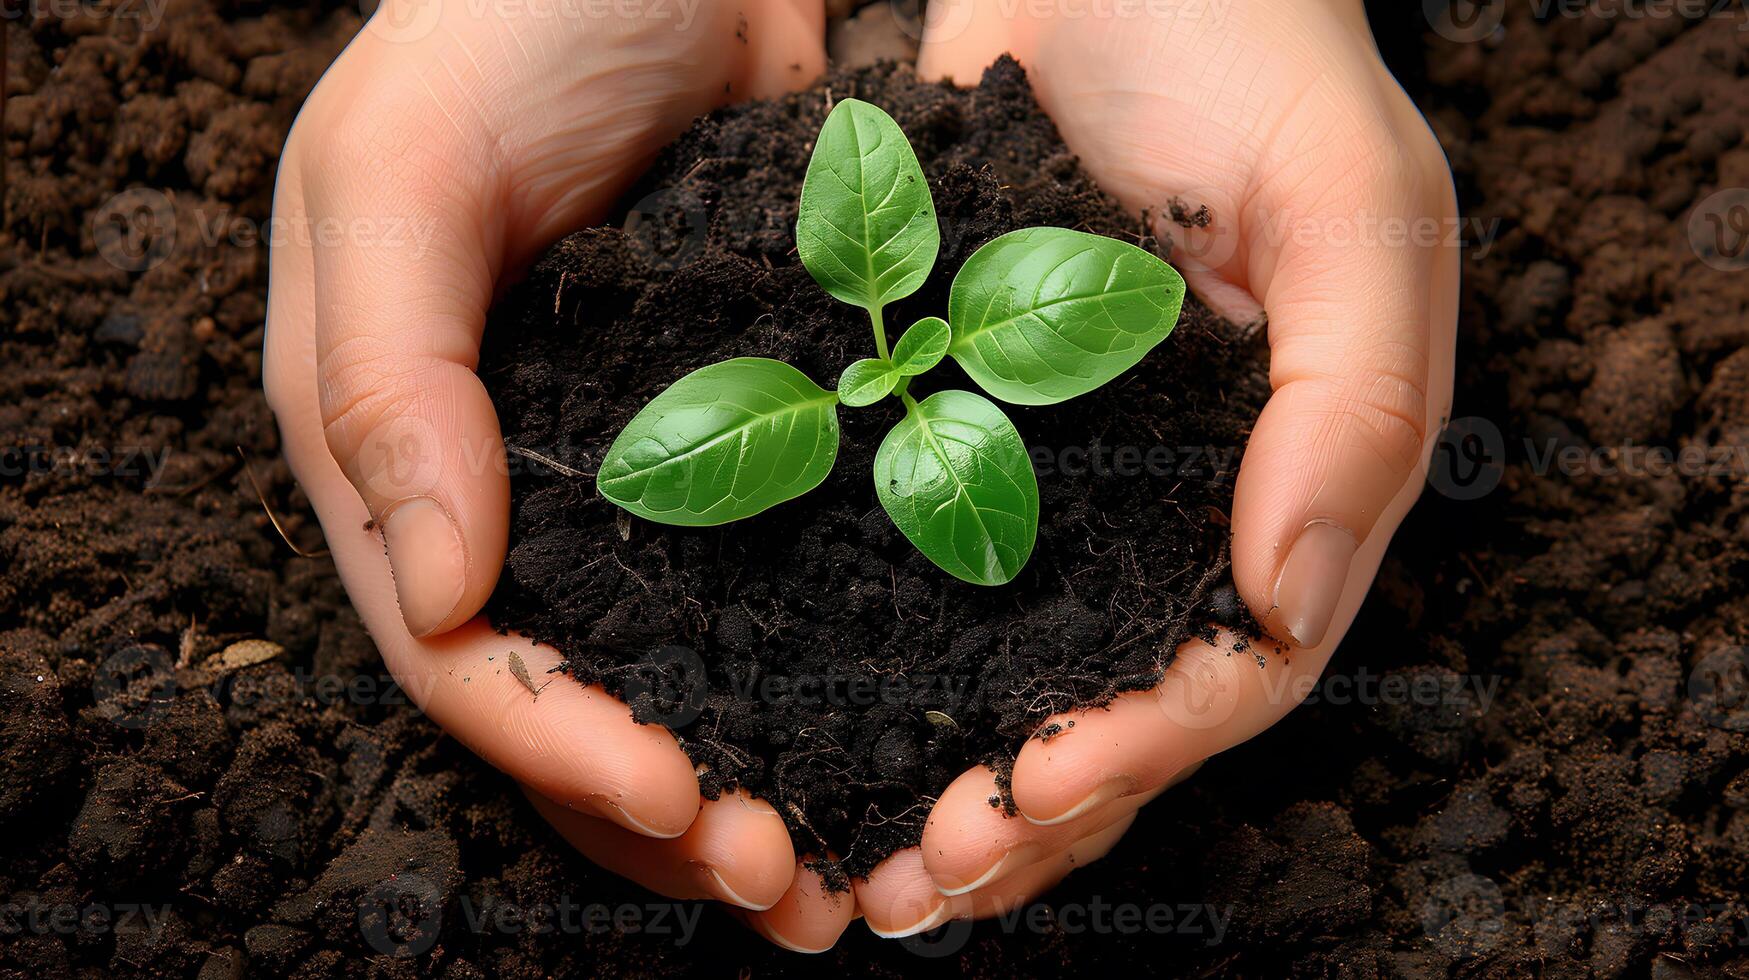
1034 317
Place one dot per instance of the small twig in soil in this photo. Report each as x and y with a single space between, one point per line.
694 171
249 471
795 813
869 816
557 295
547 461
185 648
624 568
740 758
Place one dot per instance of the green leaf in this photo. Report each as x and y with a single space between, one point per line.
956 478
867 228
922 347
723 443
1044 314
867 381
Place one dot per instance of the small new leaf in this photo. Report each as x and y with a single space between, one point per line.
867 381
866 228
1044 314
723 443
922 347
956 479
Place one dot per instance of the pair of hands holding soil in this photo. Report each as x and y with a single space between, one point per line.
485 138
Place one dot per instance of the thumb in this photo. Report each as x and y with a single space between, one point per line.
1360 287
429 170
398 325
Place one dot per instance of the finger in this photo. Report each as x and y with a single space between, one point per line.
1214 695
1030 883
1356 314
397 321
1145 166
737 851
898 899
570 743
961 38
968 844
438 168
809 917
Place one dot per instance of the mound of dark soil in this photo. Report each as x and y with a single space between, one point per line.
843 676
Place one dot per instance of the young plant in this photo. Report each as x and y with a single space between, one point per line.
1034 317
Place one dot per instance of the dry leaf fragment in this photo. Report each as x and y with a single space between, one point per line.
244 653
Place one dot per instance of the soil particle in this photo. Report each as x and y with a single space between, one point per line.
124 830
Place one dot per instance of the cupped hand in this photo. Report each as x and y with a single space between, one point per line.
446 147
1331 219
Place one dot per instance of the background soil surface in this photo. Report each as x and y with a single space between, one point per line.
1576 804
811 654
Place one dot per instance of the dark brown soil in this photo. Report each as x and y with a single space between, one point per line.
1588 817
844 677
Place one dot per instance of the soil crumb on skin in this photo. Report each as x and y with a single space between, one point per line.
825 650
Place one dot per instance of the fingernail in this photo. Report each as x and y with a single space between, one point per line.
719 886
1009 861
1093 801
936 915
620 815
1312 580
794 947
428 560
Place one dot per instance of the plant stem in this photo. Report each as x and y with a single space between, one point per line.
899 389
880 332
